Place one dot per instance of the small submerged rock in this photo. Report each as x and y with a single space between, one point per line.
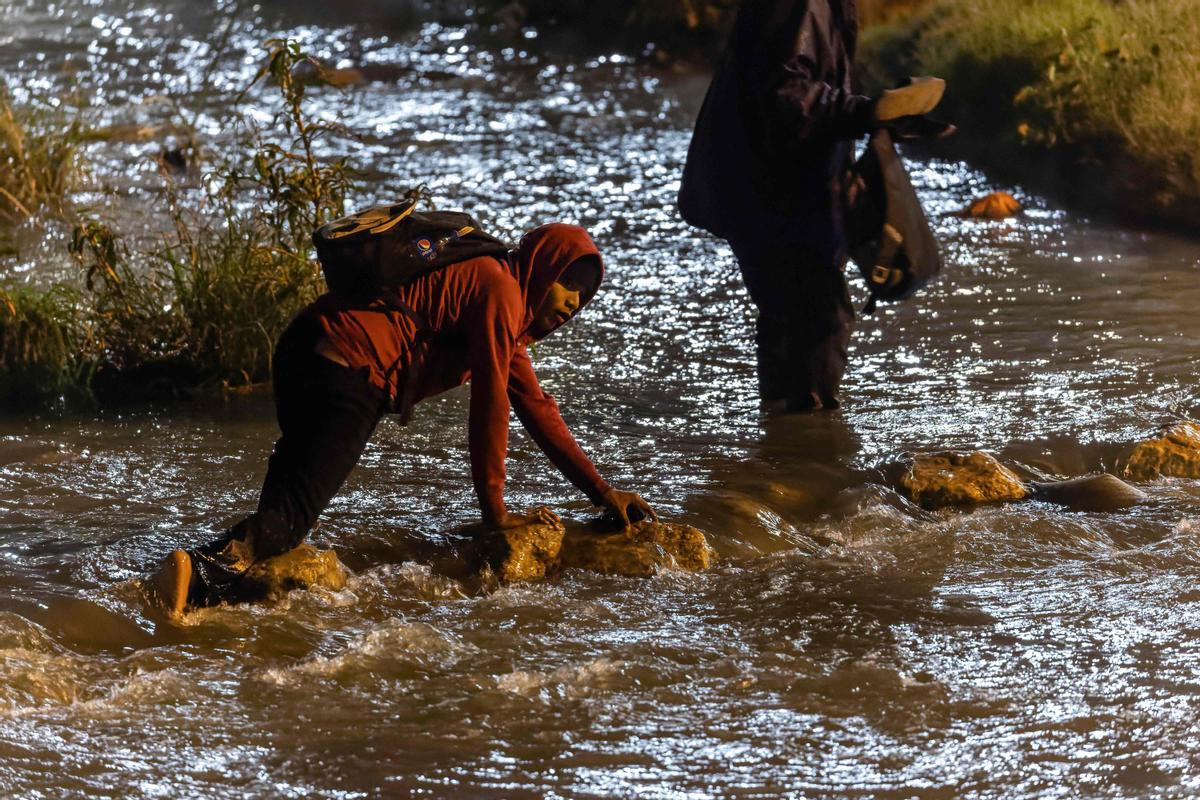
951 478
1103 492
303 567
1175 453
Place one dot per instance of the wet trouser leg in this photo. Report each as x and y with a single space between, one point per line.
326 413
804 319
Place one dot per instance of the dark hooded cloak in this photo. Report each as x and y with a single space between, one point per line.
776 124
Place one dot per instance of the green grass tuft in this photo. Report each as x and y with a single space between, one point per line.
1112 88
42 348
207 303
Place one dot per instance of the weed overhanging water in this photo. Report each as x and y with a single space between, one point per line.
204 305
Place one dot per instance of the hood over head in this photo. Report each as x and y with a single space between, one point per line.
542 256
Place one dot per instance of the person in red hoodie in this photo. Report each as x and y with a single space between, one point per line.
339 367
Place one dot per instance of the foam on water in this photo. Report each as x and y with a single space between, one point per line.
394 647
569 681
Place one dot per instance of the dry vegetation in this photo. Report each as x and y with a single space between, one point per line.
206 304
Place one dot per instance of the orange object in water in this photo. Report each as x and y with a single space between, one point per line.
997 205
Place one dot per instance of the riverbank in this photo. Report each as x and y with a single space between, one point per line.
1097 103
667 29
664 31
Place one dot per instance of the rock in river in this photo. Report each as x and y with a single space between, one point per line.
300 568
534 551
640 551
525 553
997 205
1173 454
1101 492
955 479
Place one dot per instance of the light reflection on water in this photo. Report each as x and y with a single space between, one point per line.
848 643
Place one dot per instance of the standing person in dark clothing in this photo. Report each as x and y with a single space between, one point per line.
339 367
774 136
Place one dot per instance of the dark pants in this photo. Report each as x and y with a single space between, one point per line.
804 319
326 414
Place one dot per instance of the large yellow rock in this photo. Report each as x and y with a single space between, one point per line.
955 479
303 567
1174 454
641 551
535 551
524 554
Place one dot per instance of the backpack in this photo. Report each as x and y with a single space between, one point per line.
887 233
367 253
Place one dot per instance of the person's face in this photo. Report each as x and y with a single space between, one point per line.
560 305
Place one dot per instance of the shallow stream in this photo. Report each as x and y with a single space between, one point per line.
848 644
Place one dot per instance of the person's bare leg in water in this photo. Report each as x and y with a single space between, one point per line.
171 582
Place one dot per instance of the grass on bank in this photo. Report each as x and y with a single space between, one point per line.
40 162
206 304
1110 86
39 158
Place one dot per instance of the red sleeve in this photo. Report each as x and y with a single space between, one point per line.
490 323
539 414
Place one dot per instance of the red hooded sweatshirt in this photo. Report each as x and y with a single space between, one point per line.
471 322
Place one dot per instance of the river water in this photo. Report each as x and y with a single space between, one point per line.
848 644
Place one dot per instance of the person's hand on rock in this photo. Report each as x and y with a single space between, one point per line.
541 515
626 507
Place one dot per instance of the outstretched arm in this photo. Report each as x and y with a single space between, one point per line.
540 415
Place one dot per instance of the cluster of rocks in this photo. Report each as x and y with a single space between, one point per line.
529 552
933 480
937 480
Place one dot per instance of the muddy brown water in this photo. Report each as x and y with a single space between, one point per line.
848 644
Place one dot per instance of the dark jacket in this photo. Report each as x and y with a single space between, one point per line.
776 124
